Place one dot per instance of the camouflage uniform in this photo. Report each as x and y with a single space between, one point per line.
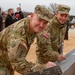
50 40
8 43
15 42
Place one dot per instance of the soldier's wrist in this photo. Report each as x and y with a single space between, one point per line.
38 67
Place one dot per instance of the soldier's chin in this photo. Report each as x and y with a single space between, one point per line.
62 22
37 31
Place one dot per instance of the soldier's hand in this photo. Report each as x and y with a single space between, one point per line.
50 64
61 57
38 67
41 67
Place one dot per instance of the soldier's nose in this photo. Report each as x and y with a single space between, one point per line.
41 24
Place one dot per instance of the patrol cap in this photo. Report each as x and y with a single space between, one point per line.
43 12
63 9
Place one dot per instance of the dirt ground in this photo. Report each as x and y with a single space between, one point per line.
68 46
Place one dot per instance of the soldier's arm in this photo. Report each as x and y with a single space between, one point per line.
44 50
17 52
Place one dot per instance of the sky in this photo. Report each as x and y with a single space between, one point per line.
29 5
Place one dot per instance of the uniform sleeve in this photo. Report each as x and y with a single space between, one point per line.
17 53
44 50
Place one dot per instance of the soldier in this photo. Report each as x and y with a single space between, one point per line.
50 41
15 41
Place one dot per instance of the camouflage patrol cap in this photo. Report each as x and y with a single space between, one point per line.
63 9
43 12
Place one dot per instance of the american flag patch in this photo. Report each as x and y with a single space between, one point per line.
46 35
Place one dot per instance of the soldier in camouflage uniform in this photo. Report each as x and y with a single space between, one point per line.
15 41
51 39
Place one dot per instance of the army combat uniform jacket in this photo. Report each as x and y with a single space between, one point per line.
49 41
15 42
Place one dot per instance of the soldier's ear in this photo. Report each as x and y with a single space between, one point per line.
31 15
56 13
